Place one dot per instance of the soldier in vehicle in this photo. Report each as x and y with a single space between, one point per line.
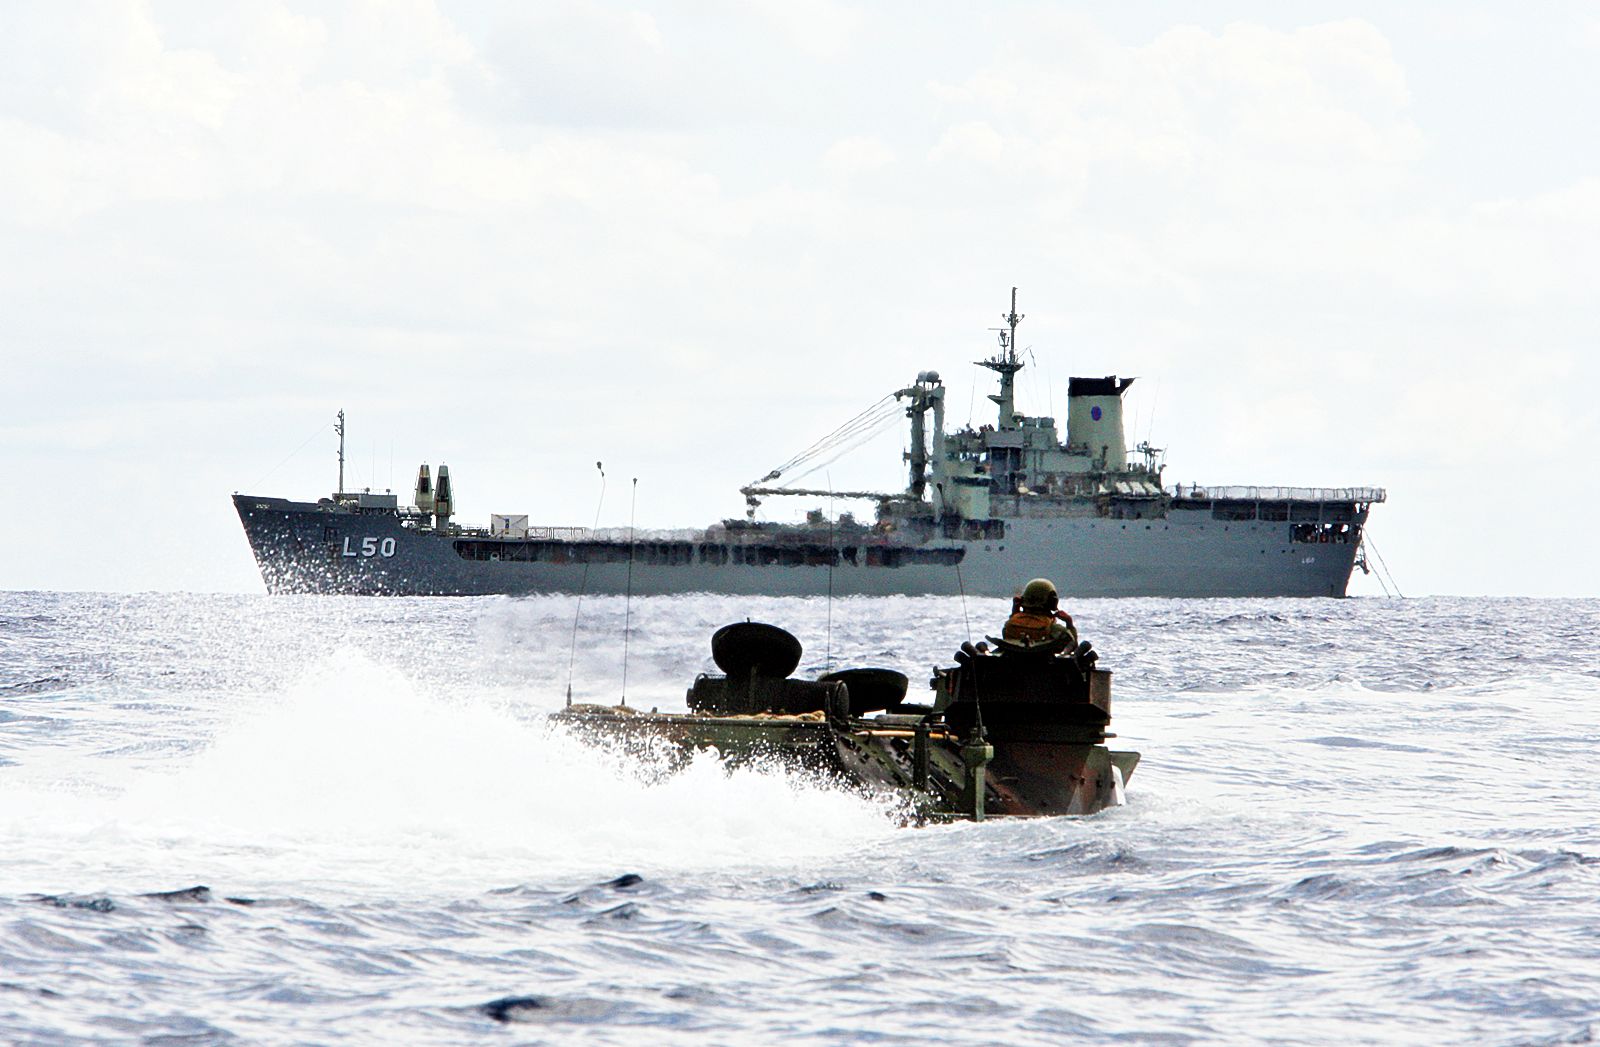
1036 617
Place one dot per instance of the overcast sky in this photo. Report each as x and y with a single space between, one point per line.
1336 244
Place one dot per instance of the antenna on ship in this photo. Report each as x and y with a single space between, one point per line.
1012 319
1006 364
338 427
833 521
583 586
961 586
627 600
975 749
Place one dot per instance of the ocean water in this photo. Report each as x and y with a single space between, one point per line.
321 820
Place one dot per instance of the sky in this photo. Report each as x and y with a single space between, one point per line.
1337 244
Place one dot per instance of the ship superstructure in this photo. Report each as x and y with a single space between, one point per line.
983 510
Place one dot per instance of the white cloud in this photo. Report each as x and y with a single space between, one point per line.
858 154
971 142
821 28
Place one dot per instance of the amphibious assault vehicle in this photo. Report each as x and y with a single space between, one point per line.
1009 729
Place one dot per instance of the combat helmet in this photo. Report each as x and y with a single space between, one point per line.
1039 595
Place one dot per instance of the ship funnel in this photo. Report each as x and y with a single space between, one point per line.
443 500
424 490
1094 419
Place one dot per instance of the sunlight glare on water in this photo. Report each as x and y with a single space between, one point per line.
1370 821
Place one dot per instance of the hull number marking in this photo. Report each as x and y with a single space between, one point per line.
369 547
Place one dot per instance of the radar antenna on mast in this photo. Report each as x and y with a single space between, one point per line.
1012 319
1006 364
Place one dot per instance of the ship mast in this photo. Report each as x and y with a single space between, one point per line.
1006 364
338 427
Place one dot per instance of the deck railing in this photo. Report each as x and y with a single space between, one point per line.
1202 492
559 533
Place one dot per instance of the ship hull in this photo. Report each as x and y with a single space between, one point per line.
303 547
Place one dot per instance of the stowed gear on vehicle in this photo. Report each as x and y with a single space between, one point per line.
1013 728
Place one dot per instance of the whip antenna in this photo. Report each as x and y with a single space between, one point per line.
832 555
977 703
960 586
975 750
962 589
627 600
583 586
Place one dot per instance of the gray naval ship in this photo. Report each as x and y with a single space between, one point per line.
983 510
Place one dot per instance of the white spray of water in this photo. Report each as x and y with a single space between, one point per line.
352 778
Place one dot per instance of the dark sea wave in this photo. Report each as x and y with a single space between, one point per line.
289 820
